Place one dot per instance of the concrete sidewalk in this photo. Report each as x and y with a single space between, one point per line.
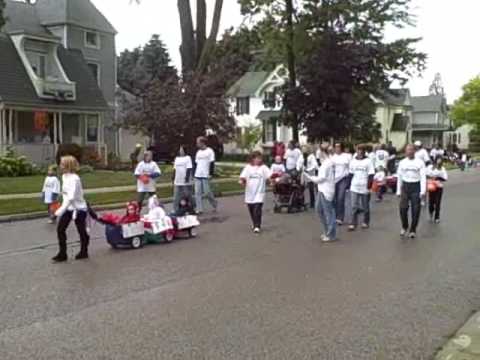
101 190
465 345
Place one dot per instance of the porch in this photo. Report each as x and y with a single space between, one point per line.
37 133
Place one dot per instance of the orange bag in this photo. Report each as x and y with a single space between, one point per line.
375 186
145 179
431 185
54 207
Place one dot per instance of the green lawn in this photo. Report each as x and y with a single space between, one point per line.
24 206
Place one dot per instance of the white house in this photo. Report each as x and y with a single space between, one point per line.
255 101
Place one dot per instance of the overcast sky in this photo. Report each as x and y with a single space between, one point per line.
449 30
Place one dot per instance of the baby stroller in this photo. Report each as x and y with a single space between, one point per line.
289 193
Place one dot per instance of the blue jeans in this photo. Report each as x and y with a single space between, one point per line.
339 200
202 188
360 205
326 211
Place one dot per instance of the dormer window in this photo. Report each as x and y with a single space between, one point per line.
38 62
92 40
243 105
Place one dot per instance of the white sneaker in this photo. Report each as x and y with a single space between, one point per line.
256 230
326 239
403 232
437 221
412 235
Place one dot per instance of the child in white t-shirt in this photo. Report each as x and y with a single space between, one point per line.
278 168
254 177
380 179
51 191
146 172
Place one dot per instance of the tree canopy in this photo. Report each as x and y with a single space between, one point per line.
2 16
466 110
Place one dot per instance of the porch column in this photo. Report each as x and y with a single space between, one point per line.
60 127
99 133
10 127
55 132
2 116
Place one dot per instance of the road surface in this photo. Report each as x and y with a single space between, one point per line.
229 294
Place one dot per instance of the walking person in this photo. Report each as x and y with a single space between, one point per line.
411 188
381 157
293 158
361 176
205 167
51 192
311 169
182 176
392 157
341 161
437 173
146 172
421 153
254 177
74 207
380 179
326 193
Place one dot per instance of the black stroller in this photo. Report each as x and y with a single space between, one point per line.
289 193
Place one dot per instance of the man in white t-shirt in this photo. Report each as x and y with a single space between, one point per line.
205 165
421 153
362 172
146 172
182 184
293 158
341 161
381 157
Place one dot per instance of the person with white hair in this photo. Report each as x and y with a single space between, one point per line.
421 153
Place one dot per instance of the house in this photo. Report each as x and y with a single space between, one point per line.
57 78
394 114
430 119
459 137
255 101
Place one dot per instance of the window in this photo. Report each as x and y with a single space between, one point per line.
270 127
270 99
243 105
38 62
92 39
92 128
95 69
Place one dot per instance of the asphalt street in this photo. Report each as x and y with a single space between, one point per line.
230 294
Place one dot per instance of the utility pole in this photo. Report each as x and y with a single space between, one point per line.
291 63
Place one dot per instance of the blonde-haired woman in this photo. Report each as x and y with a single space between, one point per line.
74 207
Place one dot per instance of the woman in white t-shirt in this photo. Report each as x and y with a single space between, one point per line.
341 160
254 177
182 178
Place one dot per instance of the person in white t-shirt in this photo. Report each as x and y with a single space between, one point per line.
278 168
381 157
51 191
182 178
205 166
436 172
311 169
341 159
421 153
146 172
254 177
362 172
380 179
293 158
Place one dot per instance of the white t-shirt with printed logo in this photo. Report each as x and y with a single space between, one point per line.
342 164
146 168
381 158
361 170
255 183
292 158
181 165
203 159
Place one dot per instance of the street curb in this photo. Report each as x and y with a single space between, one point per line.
465 344
42 215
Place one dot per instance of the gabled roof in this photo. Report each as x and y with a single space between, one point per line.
429 103
77 12
23 17
396 97
248 84
16 88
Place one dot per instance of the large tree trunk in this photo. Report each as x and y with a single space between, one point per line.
201 33
212 38
187 48
291 63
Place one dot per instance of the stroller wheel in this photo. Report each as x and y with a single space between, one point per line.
136 242
169 236
276 209
192 233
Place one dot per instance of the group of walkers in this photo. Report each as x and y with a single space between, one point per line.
336 180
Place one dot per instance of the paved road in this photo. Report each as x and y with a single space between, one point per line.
231 295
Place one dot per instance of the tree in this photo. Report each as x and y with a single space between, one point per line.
249 138
466 110
2 14
142 65
347 61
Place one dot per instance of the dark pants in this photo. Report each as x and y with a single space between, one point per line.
339 199
410 197
80 223
142 196
382 189
256 214
360 205
312 192
435 202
